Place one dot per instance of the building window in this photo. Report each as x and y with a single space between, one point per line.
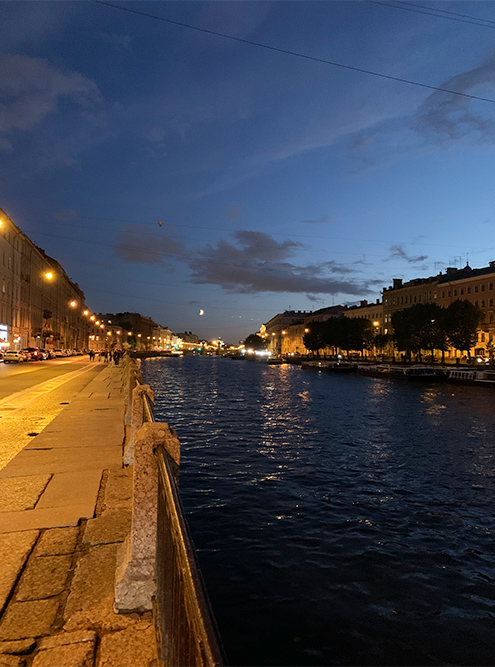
468 290
490 286
455 292
462 290
448 293
490 302
482 303
483 287
443 294
476 288
476 302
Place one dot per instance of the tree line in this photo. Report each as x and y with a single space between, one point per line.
419 328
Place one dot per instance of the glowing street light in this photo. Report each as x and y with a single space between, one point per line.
49 275
73 304
86 312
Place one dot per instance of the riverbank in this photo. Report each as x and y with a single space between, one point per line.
66 506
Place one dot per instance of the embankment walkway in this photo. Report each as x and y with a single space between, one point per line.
65 505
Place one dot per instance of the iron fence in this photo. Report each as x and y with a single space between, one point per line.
187 630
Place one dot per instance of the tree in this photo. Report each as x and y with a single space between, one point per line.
314 339
462 321
255 342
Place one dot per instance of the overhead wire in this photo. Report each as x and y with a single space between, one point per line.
296 54
431 11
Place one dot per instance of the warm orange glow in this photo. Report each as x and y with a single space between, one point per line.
73 304
86 312
92 318
48 275
129 333
306 330
376 324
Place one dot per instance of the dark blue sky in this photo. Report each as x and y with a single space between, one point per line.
280 182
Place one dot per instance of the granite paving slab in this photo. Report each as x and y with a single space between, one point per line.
44 577
71 487
68 655
14 550
21 493
52 517
63 459
57 541
133 647
28 619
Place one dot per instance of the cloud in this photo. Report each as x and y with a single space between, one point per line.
324 219
141 245
32 88
259 264
398 251
452 116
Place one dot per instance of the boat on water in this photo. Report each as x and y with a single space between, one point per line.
426 373
275 361
341 367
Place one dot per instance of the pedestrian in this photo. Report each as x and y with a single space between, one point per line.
91 355
116 357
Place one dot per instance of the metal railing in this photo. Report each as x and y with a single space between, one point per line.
187 629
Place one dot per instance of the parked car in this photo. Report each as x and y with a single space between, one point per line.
59 353
33 353
14 355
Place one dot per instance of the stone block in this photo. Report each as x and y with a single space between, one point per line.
134 647
64 638
11 661
28 619
19 647
57 541
111 526
118 490
92 585
21 493
78 488
44 577
14 550
68 655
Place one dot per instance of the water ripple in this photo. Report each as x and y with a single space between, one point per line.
339 520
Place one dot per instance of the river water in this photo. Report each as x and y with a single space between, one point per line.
339 519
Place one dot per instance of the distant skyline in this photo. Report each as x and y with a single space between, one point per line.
174 172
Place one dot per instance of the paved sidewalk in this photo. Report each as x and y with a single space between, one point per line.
64 507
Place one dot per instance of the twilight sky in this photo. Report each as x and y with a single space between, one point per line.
278 181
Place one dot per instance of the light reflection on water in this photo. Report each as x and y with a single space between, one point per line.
339 520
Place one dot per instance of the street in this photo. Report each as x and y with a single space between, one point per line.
35 392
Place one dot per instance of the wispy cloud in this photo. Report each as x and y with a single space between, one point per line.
318 221
452 116
397 251
33 88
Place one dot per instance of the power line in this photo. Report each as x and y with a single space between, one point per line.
295 53
430 11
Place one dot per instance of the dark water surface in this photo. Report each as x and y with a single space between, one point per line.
339 520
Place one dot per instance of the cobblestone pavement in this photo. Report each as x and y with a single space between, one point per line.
58 569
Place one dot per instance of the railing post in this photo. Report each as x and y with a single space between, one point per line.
131 377
137 418
135 577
